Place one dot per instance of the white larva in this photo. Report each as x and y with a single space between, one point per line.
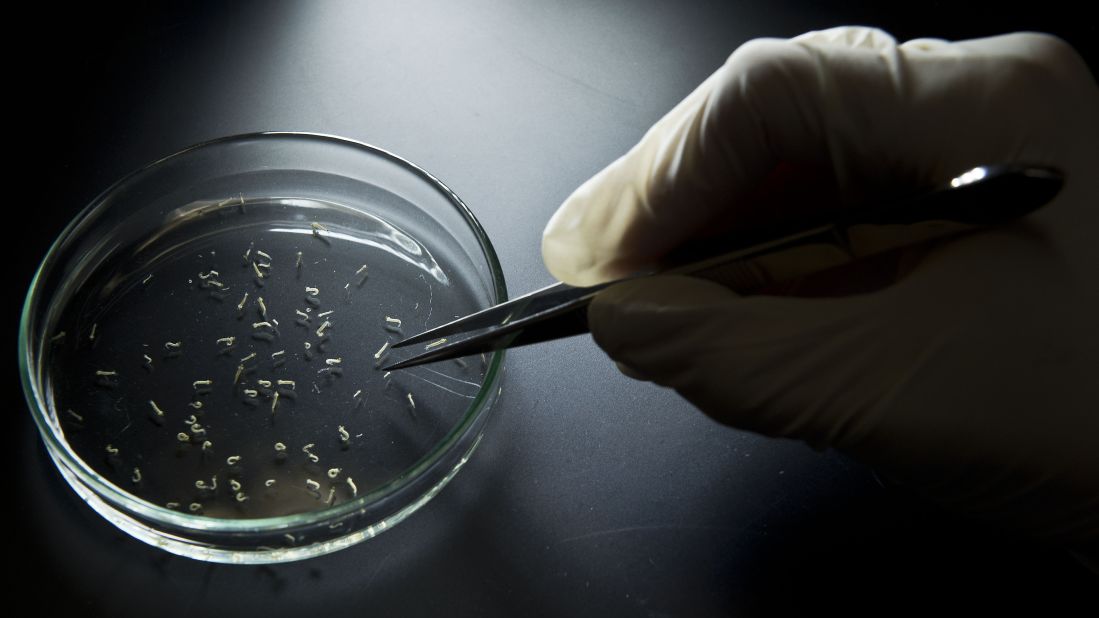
262 307
232 460
173 345
381 350
333 472
112 450
240 307
331 362
436 343
259 273
227 340
312 291
234 484
320 331
344 436
198 383
312 485
182 437
136 478
156 408
354 489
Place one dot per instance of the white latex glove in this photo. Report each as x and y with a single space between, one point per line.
974 378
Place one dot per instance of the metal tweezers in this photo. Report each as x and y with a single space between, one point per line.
978 198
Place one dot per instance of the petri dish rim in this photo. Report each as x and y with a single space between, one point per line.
59 449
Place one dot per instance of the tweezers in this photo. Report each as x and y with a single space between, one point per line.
978 198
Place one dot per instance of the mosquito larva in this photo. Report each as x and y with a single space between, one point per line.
251 392
248 253
197 429
240 306
279 353
290 383
317 229
58 337
173 345
196 405
298 264
381 350
232 461
331 362
111 450
304 315
344 436
148 359
217 284
194 507
385 375
227 340
280 447
262 325
331 495
248 358
269 482
333 472
435 343
263 255
91 336
361 268
411 401
240 370
212 273
172 505
320 331
214 482
312 485
191 420
357 393
182 437
137 475
308 345
156 408
259 273
354 489
394 321
264 383
207 445
312 457
75 415
104 374
241 497
262 307
275 322
198 383
147 279
312 291
274 402
234 484
321 315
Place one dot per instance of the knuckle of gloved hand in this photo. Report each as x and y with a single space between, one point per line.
768 65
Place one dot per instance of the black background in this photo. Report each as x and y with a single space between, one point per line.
591 494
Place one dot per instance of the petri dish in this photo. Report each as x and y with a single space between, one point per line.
201 348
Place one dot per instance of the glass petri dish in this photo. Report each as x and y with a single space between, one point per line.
201 347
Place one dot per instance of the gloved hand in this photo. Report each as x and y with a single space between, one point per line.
974 377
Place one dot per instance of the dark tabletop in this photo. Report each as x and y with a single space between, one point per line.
591 494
